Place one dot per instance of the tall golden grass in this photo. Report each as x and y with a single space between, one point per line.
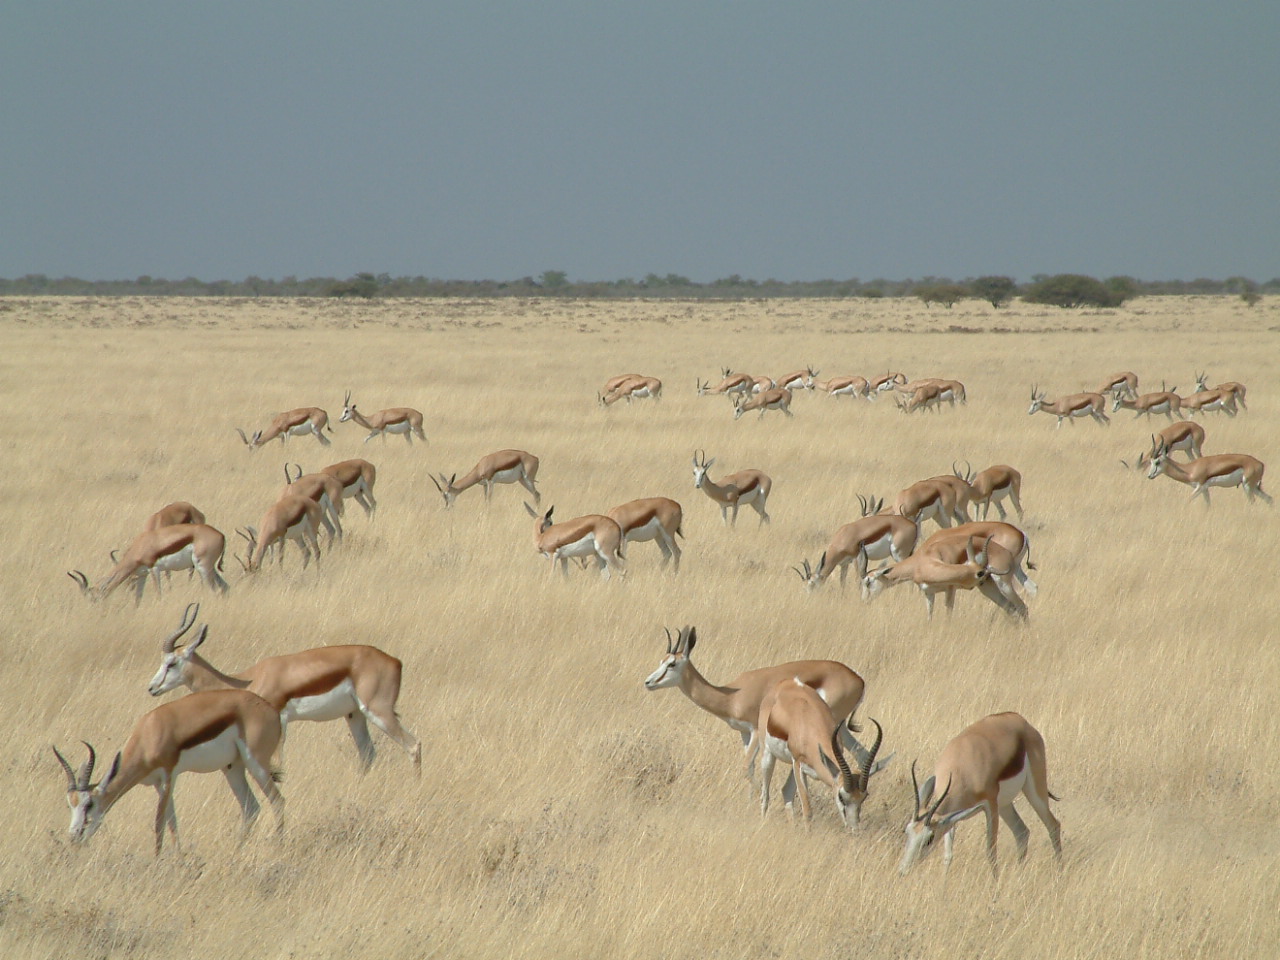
563 811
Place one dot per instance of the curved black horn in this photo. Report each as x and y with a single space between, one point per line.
934 809
864 772
847 780
71 774
188 621
86 768
915 793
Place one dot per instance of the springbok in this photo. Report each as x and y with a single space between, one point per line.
947 563
179 546
589 536
983 769
1162 401
357 478
797 727
776 398
1220 470
226 731
652 518
874 537
293 518
325 489
749 487
738 702
1230 386
402 420
1071 407
356 682
292 423
502 466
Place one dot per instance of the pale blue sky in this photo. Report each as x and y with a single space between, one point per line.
796 140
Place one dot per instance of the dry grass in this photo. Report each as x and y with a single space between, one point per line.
563 811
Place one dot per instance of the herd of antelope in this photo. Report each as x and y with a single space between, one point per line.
800 712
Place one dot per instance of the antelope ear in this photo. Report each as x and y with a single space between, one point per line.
926 790
691 637
111 774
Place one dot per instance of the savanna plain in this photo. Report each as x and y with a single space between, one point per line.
562 810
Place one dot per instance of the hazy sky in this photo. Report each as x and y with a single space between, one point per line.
789 140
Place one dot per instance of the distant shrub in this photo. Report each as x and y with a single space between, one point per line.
994 290
944 293
1073 290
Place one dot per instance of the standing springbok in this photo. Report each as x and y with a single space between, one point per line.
796 727
173 513
179 546
1165 401
292 423
744 487
1230 386
983 769
1219 470
992 485
652 518
738 702
632 388
874 537
844 387
1072 407
402 420
934 498
797 379
356 682
732 383
226 731
588 536
1125 382
503 466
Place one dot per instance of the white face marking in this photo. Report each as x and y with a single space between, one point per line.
168 677
665 676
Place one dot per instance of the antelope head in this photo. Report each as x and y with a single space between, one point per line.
924 828
700 469
348 408
171 674
672 666
85 798
853 789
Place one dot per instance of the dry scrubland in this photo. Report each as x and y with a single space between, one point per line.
563 811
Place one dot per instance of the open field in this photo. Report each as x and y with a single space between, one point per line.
563 811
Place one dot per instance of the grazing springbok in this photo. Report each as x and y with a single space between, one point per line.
934 498
775 398
325 489
180 546
983 769
1071 407
947 563
1012 539
292 423
844 387
293 518
797 379
732 383
797 727
749 487
402 420
1219 470
738 702
993 485
886 382
173 513
358 683
593 535
632 388
219 731
876 536
652 518
1184 435
1124 382
502 466
357 478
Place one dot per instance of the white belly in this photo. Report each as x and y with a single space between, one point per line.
300 429
586 547
1231 479
750 495
208 757
401 427
878 549
848 391
648 531
508 476
331 705
184 559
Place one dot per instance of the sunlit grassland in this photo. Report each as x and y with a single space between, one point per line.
563 811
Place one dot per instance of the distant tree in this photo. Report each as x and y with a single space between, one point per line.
1251 297
944 293
363 285
554 279
1126 288
1072 290
994 290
